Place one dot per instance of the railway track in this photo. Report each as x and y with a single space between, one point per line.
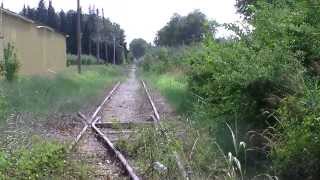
96 129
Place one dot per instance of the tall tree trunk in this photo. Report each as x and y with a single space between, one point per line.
90 46
106 46
79 36
98 52
114 50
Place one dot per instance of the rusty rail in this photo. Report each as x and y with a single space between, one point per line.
92 122
156 113
118 154
88 124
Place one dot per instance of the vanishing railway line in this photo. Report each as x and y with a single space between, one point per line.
102 128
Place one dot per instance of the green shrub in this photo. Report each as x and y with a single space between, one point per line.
10 65
85 60
163 59
42 160
241 84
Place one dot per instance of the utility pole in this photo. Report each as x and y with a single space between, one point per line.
106 41
98 36
79 36
114 49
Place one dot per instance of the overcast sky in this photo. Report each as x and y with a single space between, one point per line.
143 18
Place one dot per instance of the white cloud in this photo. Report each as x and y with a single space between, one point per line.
143 18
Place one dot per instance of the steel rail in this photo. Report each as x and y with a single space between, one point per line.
92 123
89 122
110 145
118 154
155 111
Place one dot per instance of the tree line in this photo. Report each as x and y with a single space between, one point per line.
179 31
99 34
185 30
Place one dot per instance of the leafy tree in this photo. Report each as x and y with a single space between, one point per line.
31 13
89 30
42 12
106 35
184 30
138 47
24 11
63 22
243 7
97 33
71 30
52 16
248 7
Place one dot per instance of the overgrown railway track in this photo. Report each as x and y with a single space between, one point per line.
104 131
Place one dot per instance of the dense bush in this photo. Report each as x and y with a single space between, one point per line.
164 59
296 149
291 25
243 86
236 79
246 81
85 60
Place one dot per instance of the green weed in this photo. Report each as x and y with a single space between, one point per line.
42 160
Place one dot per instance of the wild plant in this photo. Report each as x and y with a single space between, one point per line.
237 162
10 66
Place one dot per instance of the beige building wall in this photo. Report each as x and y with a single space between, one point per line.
39 49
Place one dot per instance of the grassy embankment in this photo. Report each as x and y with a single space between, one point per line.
65 92
39 98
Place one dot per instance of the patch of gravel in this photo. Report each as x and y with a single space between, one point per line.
129 104
97 157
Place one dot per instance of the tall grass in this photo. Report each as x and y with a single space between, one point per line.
64 92
173 86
